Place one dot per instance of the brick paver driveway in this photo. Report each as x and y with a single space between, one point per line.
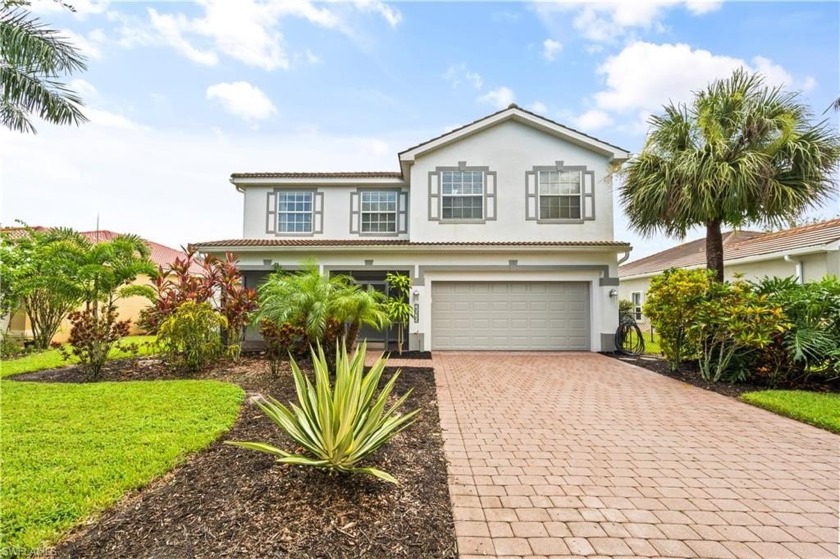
579 454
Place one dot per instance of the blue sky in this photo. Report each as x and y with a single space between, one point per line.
182 94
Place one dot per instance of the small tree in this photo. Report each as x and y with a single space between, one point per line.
39 274
107 274
673 301
398 307
236 302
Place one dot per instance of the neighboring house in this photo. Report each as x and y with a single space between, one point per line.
504 224
128 308
807 253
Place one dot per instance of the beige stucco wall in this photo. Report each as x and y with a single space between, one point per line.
128 308
510 149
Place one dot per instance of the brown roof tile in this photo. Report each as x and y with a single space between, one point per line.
739 244
320 175
396 242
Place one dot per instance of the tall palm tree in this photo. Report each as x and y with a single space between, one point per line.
33 59
740 153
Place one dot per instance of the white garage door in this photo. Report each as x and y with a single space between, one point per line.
510 315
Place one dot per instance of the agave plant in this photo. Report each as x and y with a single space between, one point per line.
339 425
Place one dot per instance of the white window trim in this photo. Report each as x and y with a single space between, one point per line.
363 212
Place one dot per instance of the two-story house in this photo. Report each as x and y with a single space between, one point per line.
505 226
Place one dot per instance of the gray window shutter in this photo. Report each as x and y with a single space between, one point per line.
355 208
271 213
402 212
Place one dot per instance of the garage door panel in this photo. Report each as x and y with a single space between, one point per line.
510 315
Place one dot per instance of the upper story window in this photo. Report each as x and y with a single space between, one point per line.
294 211
462 194
379 211
560 194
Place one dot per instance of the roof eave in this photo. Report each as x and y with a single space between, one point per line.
422 248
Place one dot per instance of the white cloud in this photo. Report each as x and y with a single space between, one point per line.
608 21
500 97
88 45
244 30
83 87
457 74
81 8
593 119
102 169
551 48
538 107
645 76
391 14
242 99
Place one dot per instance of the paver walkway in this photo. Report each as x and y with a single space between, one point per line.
554 455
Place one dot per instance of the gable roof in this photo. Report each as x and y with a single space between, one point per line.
518 114
738 245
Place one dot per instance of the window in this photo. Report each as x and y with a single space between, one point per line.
559 194
379 211
294 211
636 299
462 194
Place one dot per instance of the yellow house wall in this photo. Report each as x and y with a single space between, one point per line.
128 308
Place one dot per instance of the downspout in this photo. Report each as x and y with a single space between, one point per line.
624 258
800 268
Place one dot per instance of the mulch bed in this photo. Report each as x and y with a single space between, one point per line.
689 372
231 502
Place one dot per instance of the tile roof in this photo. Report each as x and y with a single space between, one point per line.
737 244
161 255
511 106
397 242
320 175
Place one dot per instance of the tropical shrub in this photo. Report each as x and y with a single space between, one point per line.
191 338
92 336
811 343
282 342
218 282
734 324
673 301
337 425
398 308
321 305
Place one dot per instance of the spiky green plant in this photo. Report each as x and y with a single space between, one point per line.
341 424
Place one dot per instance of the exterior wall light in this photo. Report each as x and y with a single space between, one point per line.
613 293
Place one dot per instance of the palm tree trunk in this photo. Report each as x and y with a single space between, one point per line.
352 334
714 248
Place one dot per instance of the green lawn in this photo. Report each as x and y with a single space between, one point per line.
51 358
819 409
69 451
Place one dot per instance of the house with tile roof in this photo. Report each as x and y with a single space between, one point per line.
505 226
807 253
128 308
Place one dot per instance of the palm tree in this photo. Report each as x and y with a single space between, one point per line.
739 153
318 302
33 58
362 306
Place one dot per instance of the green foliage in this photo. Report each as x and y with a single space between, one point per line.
738 153
673 302
734 323
53 358
33 60
191 338
398 308
338 426
819 409
625 306
71 451
811 343
40 271
321 305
